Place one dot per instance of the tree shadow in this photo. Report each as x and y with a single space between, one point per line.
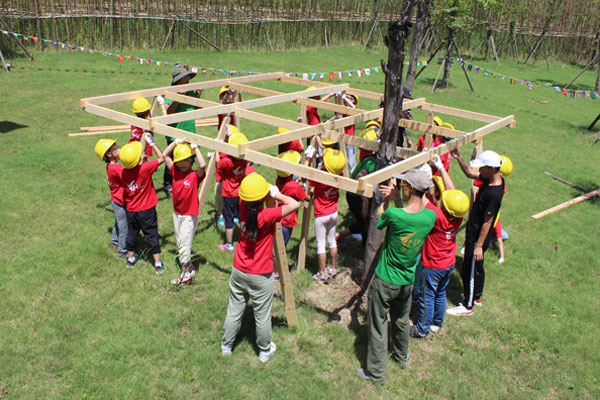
9 126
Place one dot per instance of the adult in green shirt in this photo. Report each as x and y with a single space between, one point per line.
181 76
390 291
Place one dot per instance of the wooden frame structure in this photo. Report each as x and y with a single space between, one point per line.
333 129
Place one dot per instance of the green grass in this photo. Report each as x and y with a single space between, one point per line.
76 324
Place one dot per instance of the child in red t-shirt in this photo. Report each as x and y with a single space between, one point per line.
185 202
232 170
326 214
252 272
141 107
107 150
141 200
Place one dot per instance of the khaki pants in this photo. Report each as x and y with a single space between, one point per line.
185 227
258 288
218 198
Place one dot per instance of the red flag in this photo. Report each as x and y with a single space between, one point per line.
35 39
120 58
331 76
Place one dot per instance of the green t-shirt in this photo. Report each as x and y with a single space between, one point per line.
368 163
190 125
406 233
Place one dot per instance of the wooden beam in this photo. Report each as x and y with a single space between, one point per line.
324 105
284 278
193 101
117 116
268 119
433 129
304 82
365 93
567 204
262 102
94 133
254 90
566 182
459 113
211 168
190 137
114 98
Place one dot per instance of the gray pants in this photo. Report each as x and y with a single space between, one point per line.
119 232
258 288
387 298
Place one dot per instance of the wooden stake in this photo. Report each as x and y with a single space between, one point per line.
566 204
306 217
168 34
201 37
566 182
211 168
438 76
284 278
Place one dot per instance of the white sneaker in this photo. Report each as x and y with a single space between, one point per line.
462 250
264 356
434 328
225 350
500 260
459 310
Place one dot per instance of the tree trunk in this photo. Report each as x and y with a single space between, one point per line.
395 39
597 88
446 77
415 47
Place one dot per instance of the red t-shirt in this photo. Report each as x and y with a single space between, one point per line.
348 130
365 153
113 171
256 257
185 191
326 199
294 145
136 136
139 188
312 115
292 189
232 171
445 158
439 250
222 117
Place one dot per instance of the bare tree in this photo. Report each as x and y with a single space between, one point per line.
417 42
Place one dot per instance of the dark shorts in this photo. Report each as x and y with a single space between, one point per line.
147 222
231 208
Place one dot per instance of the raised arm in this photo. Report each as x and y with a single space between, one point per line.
437 162
289 205
469 171
168 151
201 162
151 143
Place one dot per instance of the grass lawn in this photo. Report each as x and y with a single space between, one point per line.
75 323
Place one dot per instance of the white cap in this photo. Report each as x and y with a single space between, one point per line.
488 158
427 169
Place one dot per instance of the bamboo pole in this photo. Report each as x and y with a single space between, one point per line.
567 204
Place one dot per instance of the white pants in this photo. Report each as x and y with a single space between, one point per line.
325 227
185 227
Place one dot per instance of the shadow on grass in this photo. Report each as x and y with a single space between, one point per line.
9 126
248 328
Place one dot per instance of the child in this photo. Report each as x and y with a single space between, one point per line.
505 170
252 272
371 132
326 215
232 170
350 100
141 108
141 200
218 186
108 151
185 202
294 145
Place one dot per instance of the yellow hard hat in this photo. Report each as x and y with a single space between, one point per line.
373 123
506 168
282 130
140 105
439 183
254 187
102 147
130 154
447 125
291 156
311 88
223 89
328 142
456 202
334 161
355 96
233 129
438 121
237 138
368 134
182 151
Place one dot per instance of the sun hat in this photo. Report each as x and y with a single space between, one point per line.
416 178
181 73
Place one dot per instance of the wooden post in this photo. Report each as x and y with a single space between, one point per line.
211 168
168 34
201 37
566 204
4 62
463 65
306 217
284 278
438 76
566 182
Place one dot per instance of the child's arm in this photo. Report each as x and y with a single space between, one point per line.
161 102
289 205
448 183
169 150
151 143
201 162
469 171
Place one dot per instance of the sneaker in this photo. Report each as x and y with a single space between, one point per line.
321 277
275 276
121 254
159 269
434 328
479 303
363 374
414 332
226 246
462 250
236 220
500 260
131 263
459 310
184 278
221 221
332 273
225 350
112 246
168 187
264 356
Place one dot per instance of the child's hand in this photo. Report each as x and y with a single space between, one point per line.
179 141
160 100
194 146
150 139
274 191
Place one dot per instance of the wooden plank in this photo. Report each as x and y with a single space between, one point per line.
114 98
303 82
567 204
254 90
193 101
365 93
202 141
227 108
284 278
117 116
211 168
268 119
432 129
566 182
459 113
270 141
120 128
94 133
324 105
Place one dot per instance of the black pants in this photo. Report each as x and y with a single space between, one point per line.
231 209
147 222
473 274
362 224
167 177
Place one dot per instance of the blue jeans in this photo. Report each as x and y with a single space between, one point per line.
287 234
119 232
433 300
417 292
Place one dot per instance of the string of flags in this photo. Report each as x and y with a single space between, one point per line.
573 94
